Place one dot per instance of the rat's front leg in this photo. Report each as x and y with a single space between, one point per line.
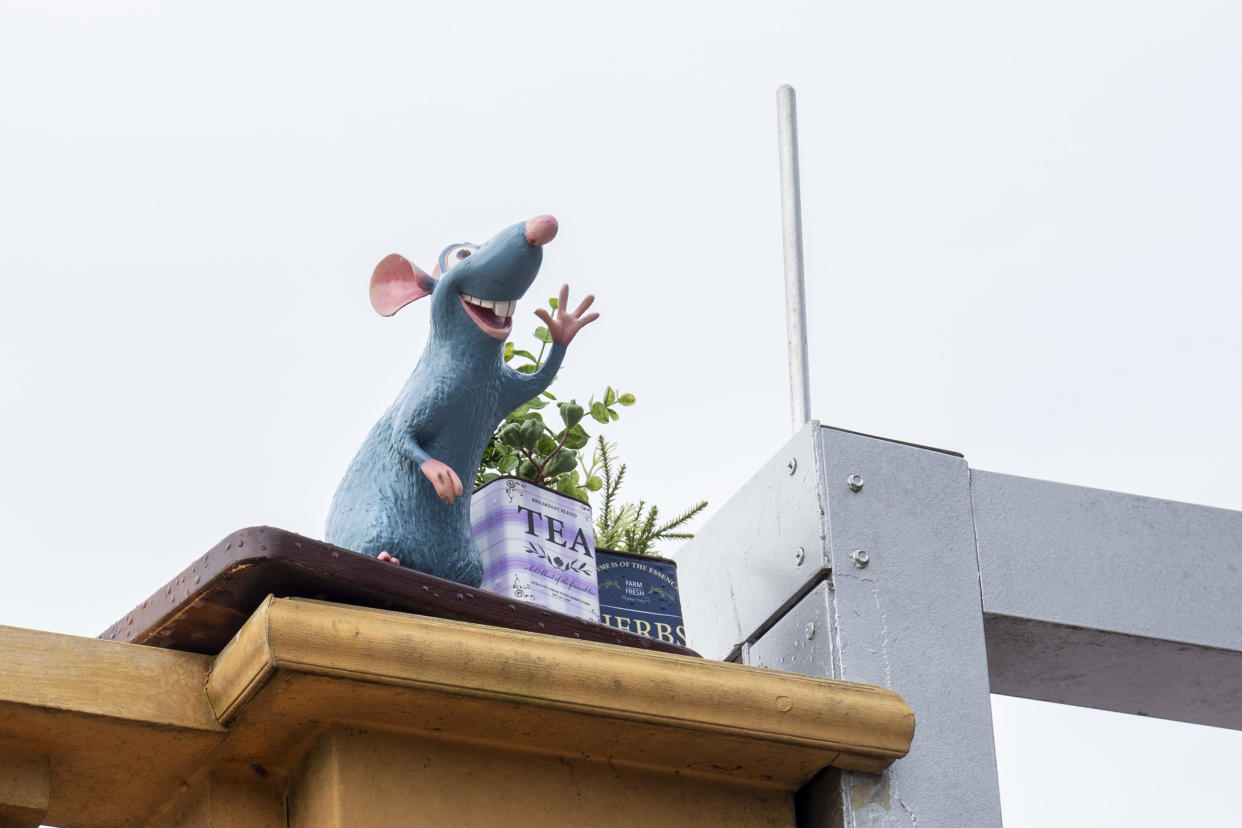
441 475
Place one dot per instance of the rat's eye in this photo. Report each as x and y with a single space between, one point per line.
455 254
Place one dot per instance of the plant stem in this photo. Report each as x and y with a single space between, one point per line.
555 451
531 458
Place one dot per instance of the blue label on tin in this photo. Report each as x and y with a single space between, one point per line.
639 594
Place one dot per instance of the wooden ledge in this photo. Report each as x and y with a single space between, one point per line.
93 729
201 609
669 711
50 671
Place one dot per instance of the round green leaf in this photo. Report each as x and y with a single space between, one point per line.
599 412
577 437
532 430
511 434
627 399
571 413
563 462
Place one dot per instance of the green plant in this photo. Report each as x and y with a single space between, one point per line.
524 445
632 527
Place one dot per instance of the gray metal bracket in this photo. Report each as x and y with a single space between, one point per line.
859 558
893 599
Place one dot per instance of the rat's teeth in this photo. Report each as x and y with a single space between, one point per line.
499 307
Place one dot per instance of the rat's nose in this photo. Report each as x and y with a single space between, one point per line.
540 230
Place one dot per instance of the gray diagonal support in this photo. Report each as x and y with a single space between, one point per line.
1110 600
905 615
761 552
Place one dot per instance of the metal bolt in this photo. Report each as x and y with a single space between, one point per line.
792 465
799 555
810 630
855 482
861 558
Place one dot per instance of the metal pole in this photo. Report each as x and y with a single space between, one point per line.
795 294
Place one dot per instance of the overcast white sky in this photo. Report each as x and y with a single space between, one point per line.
1021 243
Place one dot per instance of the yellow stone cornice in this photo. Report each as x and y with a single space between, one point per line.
848 725
102 732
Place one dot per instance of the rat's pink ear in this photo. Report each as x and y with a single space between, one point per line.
396 283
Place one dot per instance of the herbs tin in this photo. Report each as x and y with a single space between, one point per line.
639 594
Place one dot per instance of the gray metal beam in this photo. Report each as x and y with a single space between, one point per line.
1109 600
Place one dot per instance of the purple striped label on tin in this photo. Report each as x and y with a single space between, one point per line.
537 546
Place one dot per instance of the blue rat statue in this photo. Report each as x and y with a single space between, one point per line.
448 409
